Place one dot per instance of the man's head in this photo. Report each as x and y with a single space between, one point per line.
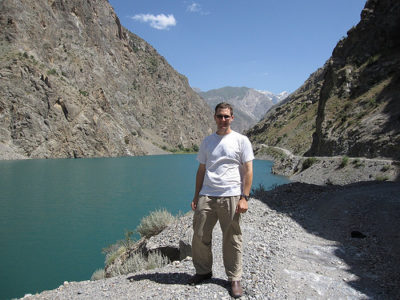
224 105
223 117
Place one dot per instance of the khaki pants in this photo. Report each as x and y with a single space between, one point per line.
209 210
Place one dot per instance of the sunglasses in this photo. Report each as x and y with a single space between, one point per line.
223 117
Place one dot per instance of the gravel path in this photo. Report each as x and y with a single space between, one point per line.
297 245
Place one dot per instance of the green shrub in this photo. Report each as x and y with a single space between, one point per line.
308 162
52 72
347 106
372 103
113 255
98 274
357 163
133 264
153 224
345 161
382 178
385 168
128 242
138 262
83 93
258 192
156 260
152 65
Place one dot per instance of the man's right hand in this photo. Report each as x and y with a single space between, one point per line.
194 202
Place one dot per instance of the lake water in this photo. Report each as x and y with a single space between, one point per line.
57 215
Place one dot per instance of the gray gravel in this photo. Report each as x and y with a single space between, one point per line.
297 245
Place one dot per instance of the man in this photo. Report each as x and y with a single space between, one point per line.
223 183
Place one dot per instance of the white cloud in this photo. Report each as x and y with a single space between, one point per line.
160 21
194 7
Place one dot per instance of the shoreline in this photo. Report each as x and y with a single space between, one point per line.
336 170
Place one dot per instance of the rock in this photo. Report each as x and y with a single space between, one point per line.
185 244
75 83
354 97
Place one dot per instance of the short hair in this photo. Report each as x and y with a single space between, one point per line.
224 105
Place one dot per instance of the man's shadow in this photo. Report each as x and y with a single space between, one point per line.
176 278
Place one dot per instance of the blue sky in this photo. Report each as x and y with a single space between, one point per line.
271 45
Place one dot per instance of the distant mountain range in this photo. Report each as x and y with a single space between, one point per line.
249 105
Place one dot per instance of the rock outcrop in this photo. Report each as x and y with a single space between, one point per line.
351 105
75 83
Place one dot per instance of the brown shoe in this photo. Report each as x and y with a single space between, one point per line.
198 278
237 290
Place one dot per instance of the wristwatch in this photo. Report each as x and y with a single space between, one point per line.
245 197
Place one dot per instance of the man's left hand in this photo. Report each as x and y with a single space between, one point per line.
242 206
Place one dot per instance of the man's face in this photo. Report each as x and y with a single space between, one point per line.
223 118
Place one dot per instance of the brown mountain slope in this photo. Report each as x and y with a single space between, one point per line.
75 83
351 105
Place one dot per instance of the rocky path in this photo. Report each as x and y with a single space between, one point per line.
333 170
298 244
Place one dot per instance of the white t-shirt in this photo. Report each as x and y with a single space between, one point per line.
224 156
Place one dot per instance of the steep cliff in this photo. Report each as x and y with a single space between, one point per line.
75 83
351 105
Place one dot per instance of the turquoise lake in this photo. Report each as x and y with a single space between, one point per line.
57 215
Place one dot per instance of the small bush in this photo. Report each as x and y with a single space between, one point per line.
257 192
138 262
345 161
156 260
153 224
52 72
385 168
112 256
98 274
372 103
128 242
357 163
83 93
135 263
309 162
347 106
382 178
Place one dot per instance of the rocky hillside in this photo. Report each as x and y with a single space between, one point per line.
249 105
351 105
75 83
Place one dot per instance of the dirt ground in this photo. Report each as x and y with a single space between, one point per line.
349 234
